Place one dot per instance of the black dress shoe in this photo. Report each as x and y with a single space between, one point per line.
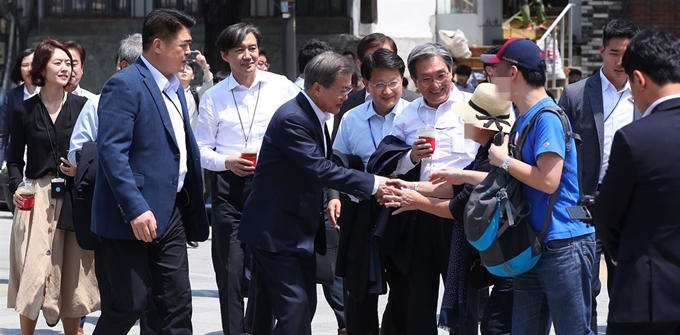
192 244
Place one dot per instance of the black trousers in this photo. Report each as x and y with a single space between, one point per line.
657 328
429 263
135 268
288 283
229 193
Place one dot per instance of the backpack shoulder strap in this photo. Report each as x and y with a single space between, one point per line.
568 135
195 94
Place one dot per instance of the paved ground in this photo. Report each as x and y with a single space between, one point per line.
206 307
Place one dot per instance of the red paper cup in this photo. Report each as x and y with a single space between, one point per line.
29 201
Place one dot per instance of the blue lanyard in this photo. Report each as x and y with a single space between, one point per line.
370 129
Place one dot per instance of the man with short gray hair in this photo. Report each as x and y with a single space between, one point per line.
281 217
424 256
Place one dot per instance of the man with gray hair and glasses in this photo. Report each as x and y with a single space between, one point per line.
282 218
435 135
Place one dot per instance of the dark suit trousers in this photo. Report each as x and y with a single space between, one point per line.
228 196
657 328
135 267
288 281
429 262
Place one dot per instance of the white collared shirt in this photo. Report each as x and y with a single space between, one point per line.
451 149
81 92
362 129
658 102
192 109
618 111
220 133
300 82
27 94
323 117
168 87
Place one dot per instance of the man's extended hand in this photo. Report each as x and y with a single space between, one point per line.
383 188
144 226
333 209
239 166
420 149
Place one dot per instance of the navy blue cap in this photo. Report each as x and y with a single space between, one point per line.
517 51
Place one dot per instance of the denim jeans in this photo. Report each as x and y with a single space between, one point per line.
557 289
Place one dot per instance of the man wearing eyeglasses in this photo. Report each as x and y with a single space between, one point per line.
423 245
361 130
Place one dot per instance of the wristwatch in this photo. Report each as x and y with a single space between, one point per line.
506 163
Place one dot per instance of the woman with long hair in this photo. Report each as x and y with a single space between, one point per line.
48 270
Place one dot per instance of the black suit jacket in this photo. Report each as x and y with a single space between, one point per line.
582 102
283 211
638 218
359 97
83 189
12 98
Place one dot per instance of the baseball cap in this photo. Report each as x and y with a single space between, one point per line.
517 51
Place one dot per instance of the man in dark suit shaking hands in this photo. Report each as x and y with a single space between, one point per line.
282 215
148 197
636 213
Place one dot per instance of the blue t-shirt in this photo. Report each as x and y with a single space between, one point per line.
547 135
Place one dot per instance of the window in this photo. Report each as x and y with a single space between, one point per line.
87 8
189 6
304 8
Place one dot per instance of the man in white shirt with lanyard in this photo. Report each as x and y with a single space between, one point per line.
360 131
597 107
425 255
232 115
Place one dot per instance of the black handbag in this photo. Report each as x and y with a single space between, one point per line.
479 276
325 264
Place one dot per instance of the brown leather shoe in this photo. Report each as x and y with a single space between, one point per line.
342 331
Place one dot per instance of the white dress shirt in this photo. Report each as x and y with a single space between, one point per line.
220 133
323 117
619 111
192 109
81 92
27 94
85 129
300 82
169 86
362 129
451 149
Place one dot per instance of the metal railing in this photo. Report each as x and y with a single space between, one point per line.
552 30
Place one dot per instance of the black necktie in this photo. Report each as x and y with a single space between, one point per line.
329 145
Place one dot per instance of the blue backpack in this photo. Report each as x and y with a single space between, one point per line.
495 217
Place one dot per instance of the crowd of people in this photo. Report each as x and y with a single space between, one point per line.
109 189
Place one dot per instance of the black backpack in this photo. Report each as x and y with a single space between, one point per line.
495 217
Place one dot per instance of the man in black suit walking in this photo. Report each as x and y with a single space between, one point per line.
636 212
282 215
597 107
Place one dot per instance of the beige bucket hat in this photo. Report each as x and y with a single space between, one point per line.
486 109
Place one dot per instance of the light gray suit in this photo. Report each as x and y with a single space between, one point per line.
582 102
